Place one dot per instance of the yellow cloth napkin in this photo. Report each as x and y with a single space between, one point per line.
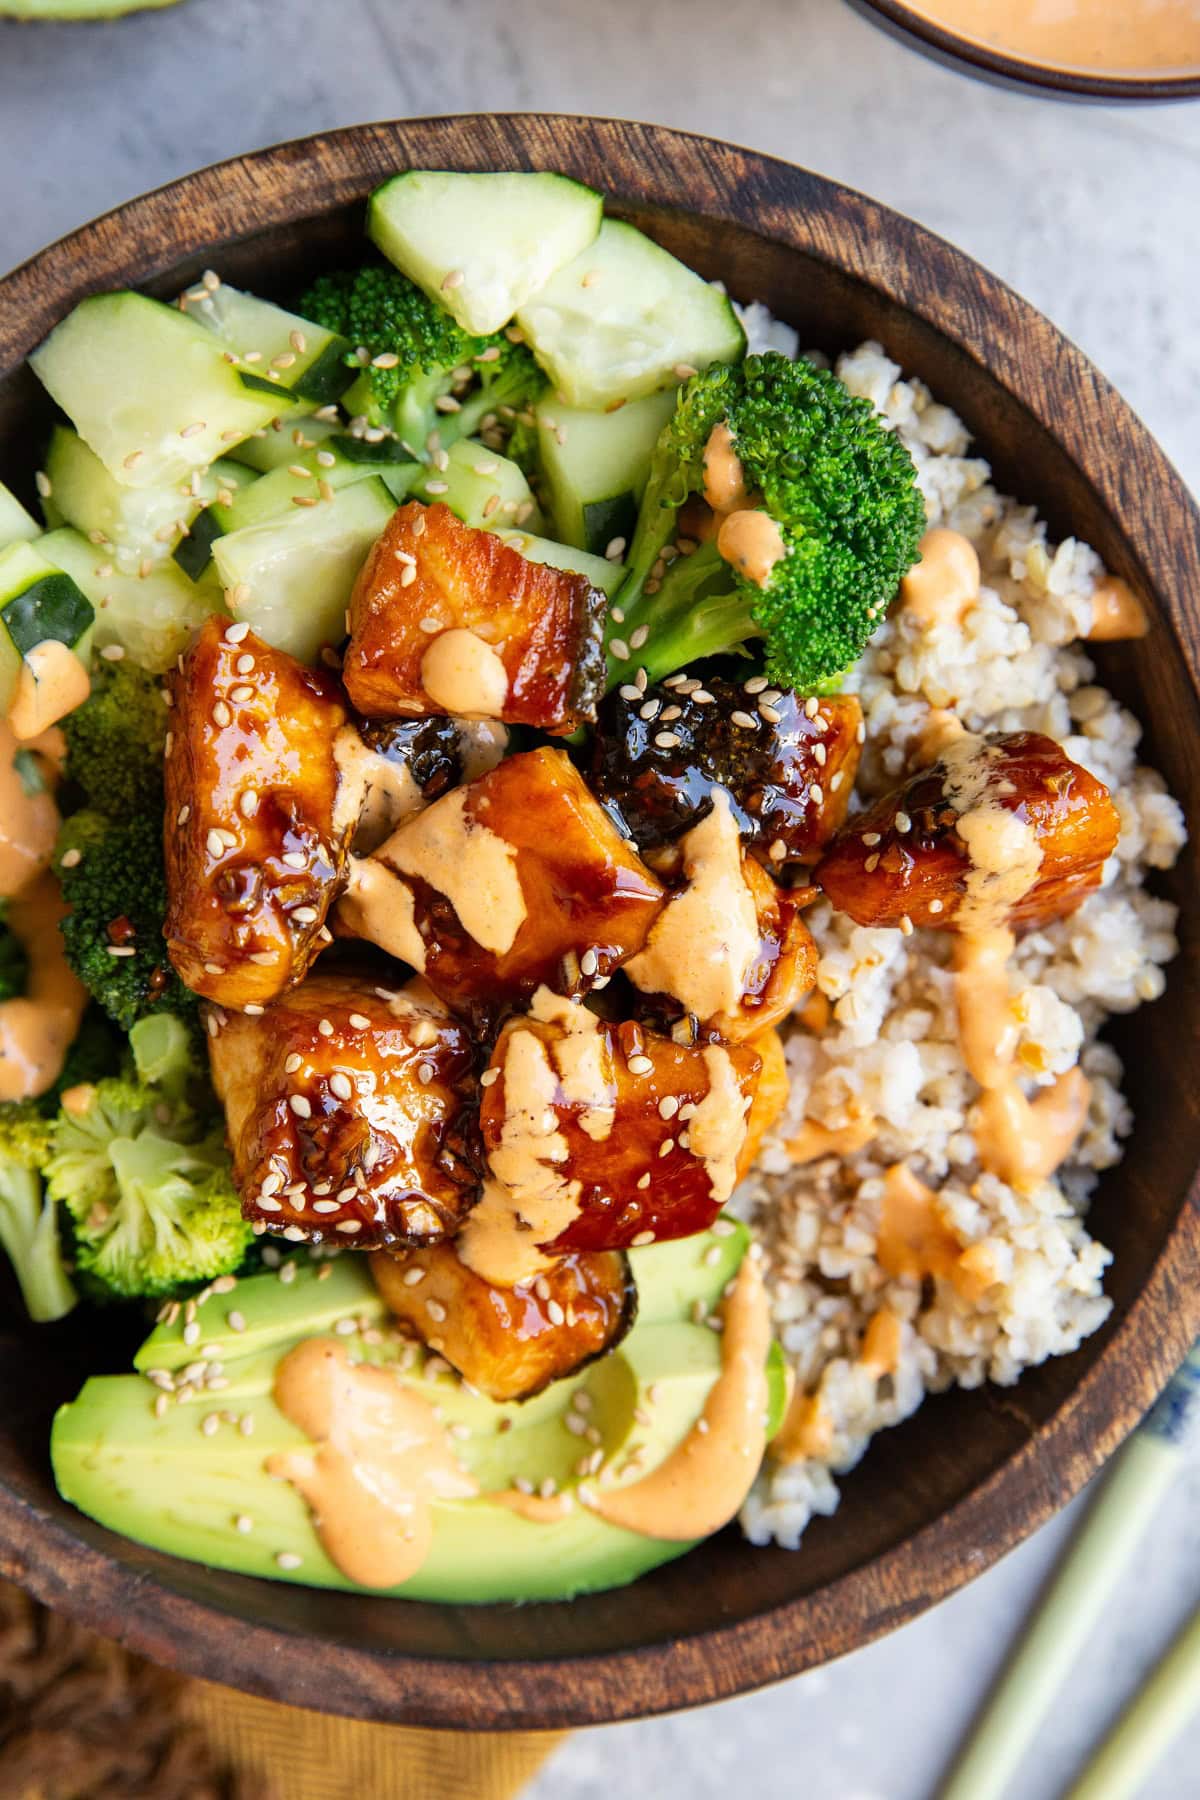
311 1756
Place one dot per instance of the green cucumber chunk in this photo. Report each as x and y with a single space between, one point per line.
275 350
302 482
596 465
132 526
481 244
603 574
275 445
291 575
16 525
37 602
626 318
153 617
147 389
155 1476
482 487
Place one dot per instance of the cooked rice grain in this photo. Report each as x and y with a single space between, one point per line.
891 1047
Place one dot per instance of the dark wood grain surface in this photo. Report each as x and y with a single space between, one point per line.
938 1499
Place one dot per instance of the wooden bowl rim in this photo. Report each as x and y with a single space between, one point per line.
969 57
301 180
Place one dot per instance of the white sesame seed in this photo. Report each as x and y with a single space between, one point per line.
360 1021
640 1065
936 906
642 1239
71 859
221 714
666 740
300 1106
191 1333
215 844
304 915
348 1226
811 707
113 653
817 794
236 1321
770 713
906 926
620 649
248 803
871 838
436 1311
339 1084
286 1559
194 429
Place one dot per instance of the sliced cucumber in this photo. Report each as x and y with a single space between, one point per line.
596 465
150 391
37 601
132 526
482 487
625 318
603 574
291 576
16 525
152 617
283 440
335 464
275 350
481 244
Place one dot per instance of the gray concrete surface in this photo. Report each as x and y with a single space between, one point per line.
1090 211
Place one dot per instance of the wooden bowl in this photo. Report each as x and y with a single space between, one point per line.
1007 68
941 1497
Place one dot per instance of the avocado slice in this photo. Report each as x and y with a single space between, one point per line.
183 1481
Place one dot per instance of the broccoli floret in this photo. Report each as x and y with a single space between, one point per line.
384 313
840 487
152 1203
115 741
117 892
28 1216
14 964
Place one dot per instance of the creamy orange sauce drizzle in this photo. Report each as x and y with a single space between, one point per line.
806 1432
378 904
379 1458
1024 1141
28 822
813 1140
1116 612
464 676
987 1026
724 476
943 585
880 1352
700 1485
37 1029
1087 36
751 541
51 683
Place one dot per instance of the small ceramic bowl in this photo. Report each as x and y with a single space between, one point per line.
1036 64
938 1499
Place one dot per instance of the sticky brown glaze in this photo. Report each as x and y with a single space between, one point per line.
623 1142
350 1116
788 769
429 574
905 859
510 1343
250 755
573 886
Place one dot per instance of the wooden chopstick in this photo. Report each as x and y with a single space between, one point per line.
1071 1605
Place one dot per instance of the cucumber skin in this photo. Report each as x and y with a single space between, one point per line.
52 607
325 380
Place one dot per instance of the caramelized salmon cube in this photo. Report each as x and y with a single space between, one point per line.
255 837
351 1116
787 764
600 1135
730 950
509 1342
514 880
938 851
445 618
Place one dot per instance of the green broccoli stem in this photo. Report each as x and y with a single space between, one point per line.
29 1235
685 623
